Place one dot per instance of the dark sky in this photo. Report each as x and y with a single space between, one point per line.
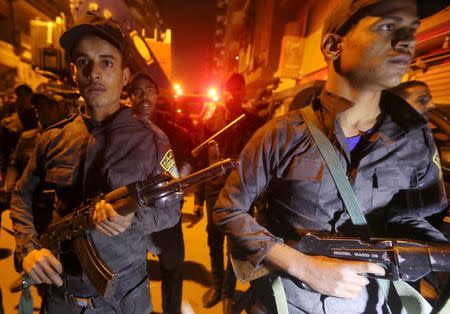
193 28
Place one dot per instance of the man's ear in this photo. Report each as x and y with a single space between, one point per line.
126 76
73 72
331 46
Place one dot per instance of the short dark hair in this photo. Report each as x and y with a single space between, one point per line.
145 76
23 89
401 89
347 13
236 80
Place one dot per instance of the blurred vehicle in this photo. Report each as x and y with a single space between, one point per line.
190 110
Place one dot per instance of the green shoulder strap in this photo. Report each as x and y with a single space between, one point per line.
404 299
26 302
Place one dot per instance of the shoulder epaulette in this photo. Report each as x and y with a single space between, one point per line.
153 127
63 122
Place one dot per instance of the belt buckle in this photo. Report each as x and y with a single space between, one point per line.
82 302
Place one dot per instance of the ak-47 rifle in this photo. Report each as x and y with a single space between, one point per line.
403 259
77 225
407 260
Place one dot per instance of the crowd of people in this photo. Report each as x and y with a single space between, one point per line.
53 159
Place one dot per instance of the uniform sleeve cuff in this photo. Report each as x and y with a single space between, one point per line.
263 248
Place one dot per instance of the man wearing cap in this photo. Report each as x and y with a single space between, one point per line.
383 145
229 146
86 155
167 244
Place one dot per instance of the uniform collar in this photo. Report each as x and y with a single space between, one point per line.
393 110
401 113
92 123
397 119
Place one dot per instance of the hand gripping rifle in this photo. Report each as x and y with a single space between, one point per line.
76 226
406 260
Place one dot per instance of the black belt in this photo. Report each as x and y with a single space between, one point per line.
86 302
129 281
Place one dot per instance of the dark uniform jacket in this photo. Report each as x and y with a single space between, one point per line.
394 171
230 145
81 158
20 156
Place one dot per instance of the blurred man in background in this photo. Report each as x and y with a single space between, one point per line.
167 244
48 111
418 95
229 146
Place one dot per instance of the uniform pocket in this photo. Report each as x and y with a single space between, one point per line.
305 169
298 189
387 181
60 175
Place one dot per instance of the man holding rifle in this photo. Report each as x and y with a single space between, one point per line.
82 157
383 145
230 145
167 244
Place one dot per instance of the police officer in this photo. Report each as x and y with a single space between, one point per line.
384 146
49 111
167 244
90 154
224 280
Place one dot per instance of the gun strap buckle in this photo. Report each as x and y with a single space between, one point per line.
87 302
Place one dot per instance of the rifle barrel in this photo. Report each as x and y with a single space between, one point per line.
213 171
203 145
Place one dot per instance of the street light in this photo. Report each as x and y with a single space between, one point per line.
178 90
212 93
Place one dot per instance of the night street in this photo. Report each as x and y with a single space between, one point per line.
139 139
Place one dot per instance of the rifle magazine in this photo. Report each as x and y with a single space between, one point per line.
98 272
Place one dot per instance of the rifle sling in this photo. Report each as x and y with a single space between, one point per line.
400 299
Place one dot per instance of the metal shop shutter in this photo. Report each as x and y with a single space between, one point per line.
438 79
